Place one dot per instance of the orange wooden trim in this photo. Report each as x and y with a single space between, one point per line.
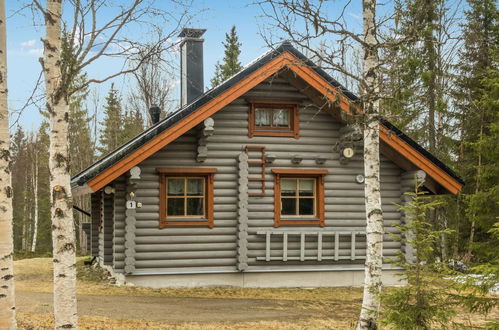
270 133
164 224
417 159
320 200
209 200
200 170
292 171
304 72
273 102
162 201
319 193
277 201
208 173
301 222
291 131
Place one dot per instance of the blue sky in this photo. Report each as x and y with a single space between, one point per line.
25 48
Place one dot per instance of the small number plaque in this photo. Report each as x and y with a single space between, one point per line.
131 204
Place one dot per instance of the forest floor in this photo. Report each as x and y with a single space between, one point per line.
102 305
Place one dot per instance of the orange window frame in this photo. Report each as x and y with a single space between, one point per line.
293 127
318 175
207 174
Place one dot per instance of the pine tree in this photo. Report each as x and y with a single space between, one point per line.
476 95
231 64
111 133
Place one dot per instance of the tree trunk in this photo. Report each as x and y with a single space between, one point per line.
35 195
63 231
374 215
7 299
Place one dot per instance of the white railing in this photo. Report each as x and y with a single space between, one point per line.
321 237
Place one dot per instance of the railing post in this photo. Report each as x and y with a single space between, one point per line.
336 246
285 247
302 247
267 246
352 247
319 246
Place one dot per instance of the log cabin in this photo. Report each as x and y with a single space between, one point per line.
257 182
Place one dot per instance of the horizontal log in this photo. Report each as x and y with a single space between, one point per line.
174 239
155 224
190 246
184 263
175 255
168 231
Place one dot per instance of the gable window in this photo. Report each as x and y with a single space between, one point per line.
186 196
299 197
271 118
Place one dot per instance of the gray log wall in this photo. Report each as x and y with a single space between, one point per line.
201 249
119 224
107 232
96 214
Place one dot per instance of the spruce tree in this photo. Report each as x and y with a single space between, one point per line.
133 125
476 95
231 64
433 294
111 133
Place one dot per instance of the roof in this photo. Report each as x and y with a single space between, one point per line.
159 135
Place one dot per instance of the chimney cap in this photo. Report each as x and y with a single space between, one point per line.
191 33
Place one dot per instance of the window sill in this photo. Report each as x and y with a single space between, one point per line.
299 222
275 133
186 222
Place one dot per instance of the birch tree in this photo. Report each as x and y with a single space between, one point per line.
91 39
328 40
7 299
372 190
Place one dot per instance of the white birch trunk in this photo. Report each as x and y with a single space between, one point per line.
374 215
7 299
35 193
63 231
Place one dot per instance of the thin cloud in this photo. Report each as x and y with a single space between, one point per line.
29 43
35 51
356 16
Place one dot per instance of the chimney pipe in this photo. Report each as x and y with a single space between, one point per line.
191 65
154 112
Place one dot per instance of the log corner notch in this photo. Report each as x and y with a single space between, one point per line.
242 212
205 130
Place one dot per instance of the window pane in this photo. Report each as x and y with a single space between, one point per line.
281 117
195 186
288 187
288 206
195 206
175 206
263 117
307 187
306 206
176 186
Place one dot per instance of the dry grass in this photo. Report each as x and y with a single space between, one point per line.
35 275
44 321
